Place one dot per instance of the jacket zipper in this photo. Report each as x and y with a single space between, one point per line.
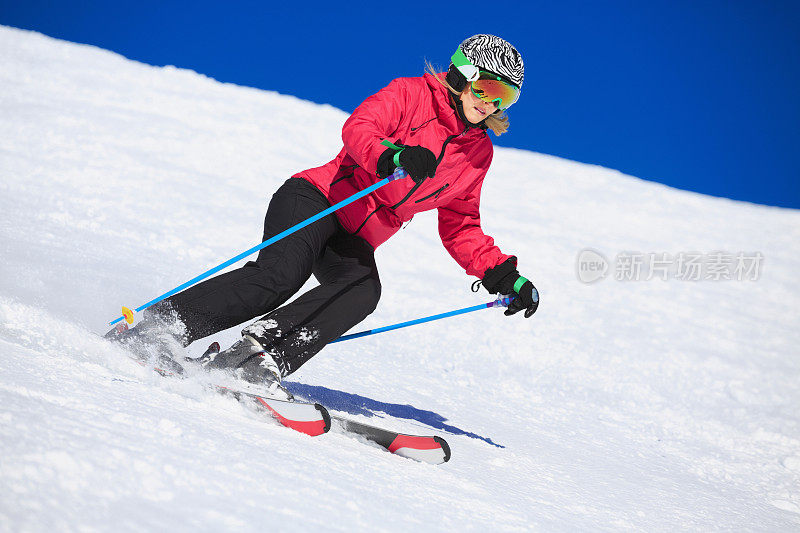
416 186
438 160
434 193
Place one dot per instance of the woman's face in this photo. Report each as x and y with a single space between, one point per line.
475 109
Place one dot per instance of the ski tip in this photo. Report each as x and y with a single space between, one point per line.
298 416
431 450
326 417
445 447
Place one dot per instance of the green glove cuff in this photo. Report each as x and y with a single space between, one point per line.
389 144
519 283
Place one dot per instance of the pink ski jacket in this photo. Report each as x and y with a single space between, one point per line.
413 111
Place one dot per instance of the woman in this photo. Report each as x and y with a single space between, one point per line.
434 127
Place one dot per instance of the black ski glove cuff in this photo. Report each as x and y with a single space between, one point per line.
501 278
386 164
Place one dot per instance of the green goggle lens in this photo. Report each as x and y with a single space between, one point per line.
492 89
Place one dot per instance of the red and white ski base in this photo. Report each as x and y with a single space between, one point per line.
309 418
433 450
313 419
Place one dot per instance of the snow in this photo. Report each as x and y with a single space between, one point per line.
649 405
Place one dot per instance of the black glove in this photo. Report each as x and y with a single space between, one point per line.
505 279
418 161
527 298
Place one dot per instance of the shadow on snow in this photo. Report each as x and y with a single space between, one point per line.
361 405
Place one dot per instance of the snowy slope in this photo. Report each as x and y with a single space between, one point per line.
655 405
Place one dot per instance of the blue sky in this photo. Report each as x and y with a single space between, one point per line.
700 95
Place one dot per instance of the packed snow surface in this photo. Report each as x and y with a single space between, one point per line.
657 405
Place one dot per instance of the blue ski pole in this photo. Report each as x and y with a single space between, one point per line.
502 301
127 314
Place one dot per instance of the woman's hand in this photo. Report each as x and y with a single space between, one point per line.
505 279
418 162
527 298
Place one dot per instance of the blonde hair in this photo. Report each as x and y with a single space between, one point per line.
497 122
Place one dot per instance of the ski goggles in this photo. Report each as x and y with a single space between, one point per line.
487 86
493 89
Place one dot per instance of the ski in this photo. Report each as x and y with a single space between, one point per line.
432 450
309 418
312 418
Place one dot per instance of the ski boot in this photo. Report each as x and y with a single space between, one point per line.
150 345
251 362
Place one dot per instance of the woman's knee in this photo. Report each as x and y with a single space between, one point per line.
370 293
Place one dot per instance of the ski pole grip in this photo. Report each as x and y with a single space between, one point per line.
503 300
399 173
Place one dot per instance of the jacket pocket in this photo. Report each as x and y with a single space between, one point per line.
337 180
434 193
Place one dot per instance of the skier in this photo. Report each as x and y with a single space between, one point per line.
434 127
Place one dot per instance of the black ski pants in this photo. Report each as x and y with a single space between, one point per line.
344 265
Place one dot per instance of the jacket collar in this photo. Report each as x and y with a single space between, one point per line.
444 105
